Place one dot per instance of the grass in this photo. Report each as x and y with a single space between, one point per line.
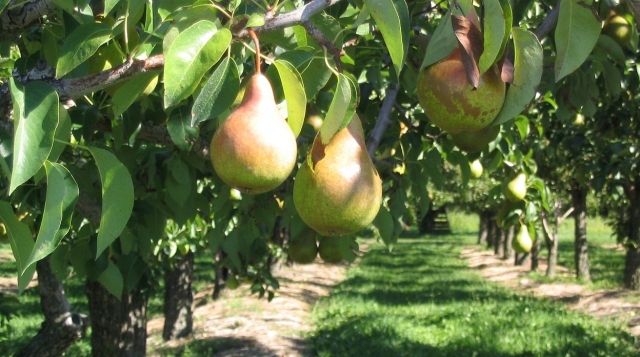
422 300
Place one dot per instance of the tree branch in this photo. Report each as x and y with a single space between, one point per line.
383 121
323 41
565 215
549 23
20 14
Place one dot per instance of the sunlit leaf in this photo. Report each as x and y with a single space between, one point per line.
111 279
37 117
218 93
576 34
393 21
81 44
293 93
442 43
336 115
21 241
117 197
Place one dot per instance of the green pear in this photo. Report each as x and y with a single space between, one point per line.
254 150
232 282
475 141
337 190
516 189
476 169
329 250
303 248
522 242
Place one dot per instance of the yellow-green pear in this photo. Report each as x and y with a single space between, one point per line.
476 169
254 150
232 282
303 248
337 190
517 188
522 242
329 250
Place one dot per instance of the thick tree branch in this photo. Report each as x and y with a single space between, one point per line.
383 121
20 14
323 41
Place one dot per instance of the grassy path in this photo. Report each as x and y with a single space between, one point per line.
422 300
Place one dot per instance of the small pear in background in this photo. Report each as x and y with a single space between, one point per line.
254 150
329 250
516 189
522 243
303 249
476 169
337 190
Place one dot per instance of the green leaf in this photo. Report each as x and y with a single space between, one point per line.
179 183
432 165
576 34
442 43
465 169
613 79
336 115
130 91
293 93
34 134
62 194
255 20
180 129
81 44
495 27
111 279
193 52
62 135
526 76
218 93
393 21
109 5
21 241
117 197
3 4
384 224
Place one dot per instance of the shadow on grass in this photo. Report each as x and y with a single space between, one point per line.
421 300
606 264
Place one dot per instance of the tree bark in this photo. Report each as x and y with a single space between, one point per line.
61 327
522 259
483 229
632 259
119 327
508 251
178 298
492 233
581 256
498 249
535 253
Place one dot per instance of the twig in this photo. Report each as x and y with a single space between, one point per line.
16 18
383 121
566 214
323 41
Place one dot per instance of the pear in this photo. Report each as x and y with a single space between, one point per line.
516 189
476 169
475 141
522 243
337 190
303 248
254 150
232 282
329 250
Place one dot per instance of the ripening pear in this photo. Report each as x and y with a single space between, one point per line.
254 150
476 169
337 190
329 250
517 188
232 282
522 243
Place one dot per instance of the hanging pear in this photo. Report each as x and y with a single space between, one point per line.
303 249
329 250
337 190
476 169
517 188
522 243
254 150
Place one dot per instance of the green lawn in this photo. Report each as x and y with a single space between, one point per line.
422 300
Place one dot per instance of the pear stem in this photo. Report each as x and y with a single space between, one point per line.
256 41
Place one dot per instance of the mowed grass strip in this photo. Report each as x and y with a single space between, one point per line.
422 300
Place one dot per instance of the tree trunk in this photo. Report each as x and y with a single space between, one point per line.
492 233
119 327
485 222
632 259
178 298
581 256
61 327
522 259
535 253
508 251
499 247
